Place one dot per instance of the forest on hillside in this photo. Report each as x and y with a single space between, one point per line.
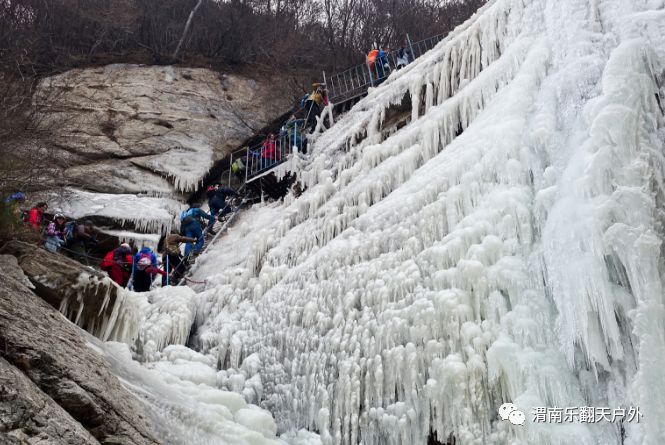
42 37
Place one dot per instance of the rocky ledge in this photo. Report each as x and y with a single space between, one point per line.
56 389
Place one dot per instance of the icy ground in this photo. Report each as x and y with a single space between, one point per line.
503 246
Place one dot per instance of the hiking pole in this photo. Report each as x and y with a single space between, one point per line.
167 270
130 283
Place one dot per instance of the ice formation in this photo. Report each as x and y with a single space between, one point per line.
500 242
501 246
145 214
184 412
139 239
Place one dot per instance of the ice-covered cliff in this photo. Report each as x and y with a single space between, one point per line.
504 245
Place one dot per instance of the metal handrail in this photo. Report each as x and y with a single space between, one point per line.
355 81
340 87
269 154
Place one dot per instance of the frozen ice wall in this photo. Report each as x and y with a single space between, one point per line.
502 246
144 213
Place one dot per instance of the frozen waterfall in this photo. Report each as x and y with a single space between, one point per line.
502 243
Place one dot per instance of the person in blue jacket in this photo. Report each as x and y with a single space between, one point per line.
382 63
190 226
144 270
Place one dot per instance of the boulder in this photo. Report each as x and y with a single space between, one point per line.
28 415
47 363
84 295
156 129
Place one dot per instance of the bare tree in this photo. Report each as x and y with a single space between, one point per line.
187 25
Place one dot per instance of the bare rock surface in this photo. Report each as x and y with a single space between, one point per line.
45 365
28 415
156 129
87 297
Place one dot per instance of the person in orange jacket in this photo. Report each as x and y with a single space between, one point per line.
371 58
36 215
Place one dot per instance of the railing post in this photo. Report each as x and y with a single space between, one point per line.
246 166
230 168
413 54
371 79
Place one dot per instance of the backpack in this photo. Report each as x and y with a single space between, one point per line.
70 231
303 100
184 223
185 215
107 261
237 166
144 260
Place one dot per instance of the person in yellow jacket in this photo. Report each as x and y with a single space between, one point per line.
315 103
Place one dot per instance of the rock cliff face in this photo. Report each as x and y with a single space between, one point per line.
155 129
86 296
54 388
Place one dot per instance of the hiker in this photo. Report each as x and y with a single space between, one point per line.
14 201
315 103
403 58
382 64
54 237
190 226
239 165
269 151
144 270
10 208
172 257
217 200
293 132
82 240
371 58
15 197
36 215
118 264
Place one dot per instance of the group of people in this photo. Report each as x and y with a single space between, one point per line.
291 136
379 65
138 269
306 116
127 265
76 237
135 268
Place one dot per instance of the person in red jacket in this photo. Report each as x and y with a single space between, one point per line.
269 151
118 264
36 214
